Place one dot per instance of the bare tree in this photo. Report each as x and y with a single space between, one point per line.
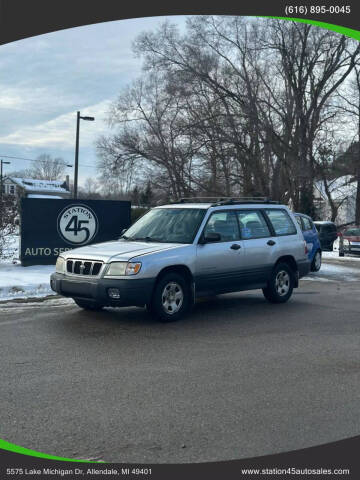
47 168
232 106
351 105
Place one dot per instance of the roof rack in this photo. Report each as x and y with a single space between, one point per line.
217 201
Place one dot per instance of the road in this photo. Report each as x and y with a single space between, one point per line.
238 378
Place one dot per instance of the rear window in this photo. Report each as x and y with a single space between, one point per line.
281 221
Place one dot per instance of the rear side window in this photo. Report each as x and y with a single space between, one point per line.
307 223
298 219
281 222
252 224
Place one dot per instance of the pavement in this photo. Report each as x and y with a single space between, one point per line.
237 378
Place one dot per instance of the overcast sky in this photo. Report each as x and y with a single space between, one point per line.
44 80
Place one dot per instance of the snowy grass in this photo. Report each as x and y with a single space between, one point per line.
17 281
24 282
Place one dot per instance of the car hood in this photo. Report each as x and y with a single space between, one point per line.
117 250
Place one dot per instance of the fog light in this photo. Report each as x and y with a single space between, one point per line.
114 293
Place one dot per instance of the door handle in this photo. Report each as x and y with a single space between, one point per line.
235 246
271 243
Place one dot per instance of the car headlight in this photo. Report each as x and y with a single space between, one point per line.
123 268
60 265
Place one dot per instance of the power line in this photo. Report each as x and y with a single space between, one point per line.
38 160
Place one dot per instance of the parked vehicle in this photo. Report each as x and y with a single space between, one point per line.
350 239
327 234
179 252
312 240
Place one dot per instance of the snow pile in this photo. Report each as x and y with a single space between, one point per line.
24 282
48 197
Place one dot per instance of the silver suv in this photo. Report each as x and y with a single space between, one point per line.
179 252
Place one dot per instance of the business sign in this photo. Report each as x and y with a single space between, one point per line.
52 226
77 224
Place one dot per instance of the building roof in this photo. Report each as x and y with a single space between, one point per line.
36 185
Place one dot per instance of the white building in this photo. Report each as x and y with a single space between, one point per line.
343 192
35 188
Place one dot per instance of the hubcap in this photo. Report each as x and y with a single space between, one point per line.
282 283
317 261
172 298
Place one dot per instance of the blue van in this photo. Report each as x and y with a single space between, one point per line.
312 240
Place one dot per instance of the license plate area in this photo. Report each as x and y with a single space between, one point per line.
81 289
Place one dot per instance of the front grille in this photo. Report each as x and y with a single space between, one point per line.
83 267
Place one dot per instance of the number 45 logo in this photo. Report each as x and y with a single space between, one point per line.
77 224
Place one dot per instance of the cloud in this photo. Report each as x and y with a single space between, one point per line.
44 80
59 132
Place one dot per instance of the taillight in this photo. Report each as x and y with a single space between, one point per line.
305 247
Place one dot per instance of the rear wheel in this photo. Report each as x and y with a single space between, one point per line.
281 284
171 298
316 262
88 305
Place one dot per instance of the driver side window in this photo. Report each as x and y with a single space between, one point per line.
223 223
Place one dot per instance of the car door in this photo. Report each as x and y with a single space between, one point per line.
259 247
217 264
310 236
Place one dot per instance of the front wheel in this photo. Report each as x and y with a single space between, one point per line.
316 262
93 306
171 298
280 285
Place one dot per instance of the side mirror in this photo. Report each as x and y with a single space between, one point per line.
211 237
122 233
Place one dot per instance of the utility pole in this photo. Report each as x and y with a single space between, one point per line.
78 117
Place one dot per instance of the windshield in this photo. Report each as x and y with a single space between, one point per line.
174 225
352 232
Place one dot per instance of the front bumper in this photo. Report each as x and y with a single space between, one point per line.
134 292
352 249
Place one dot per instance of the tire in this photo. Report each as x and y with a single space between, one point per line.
93 306
171 298
281 284
316 262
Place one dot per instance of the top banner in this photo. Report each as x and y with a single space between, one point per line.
25 18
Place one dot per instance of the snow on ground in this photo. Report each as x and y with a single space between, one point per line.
17 281
335 255
24 282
